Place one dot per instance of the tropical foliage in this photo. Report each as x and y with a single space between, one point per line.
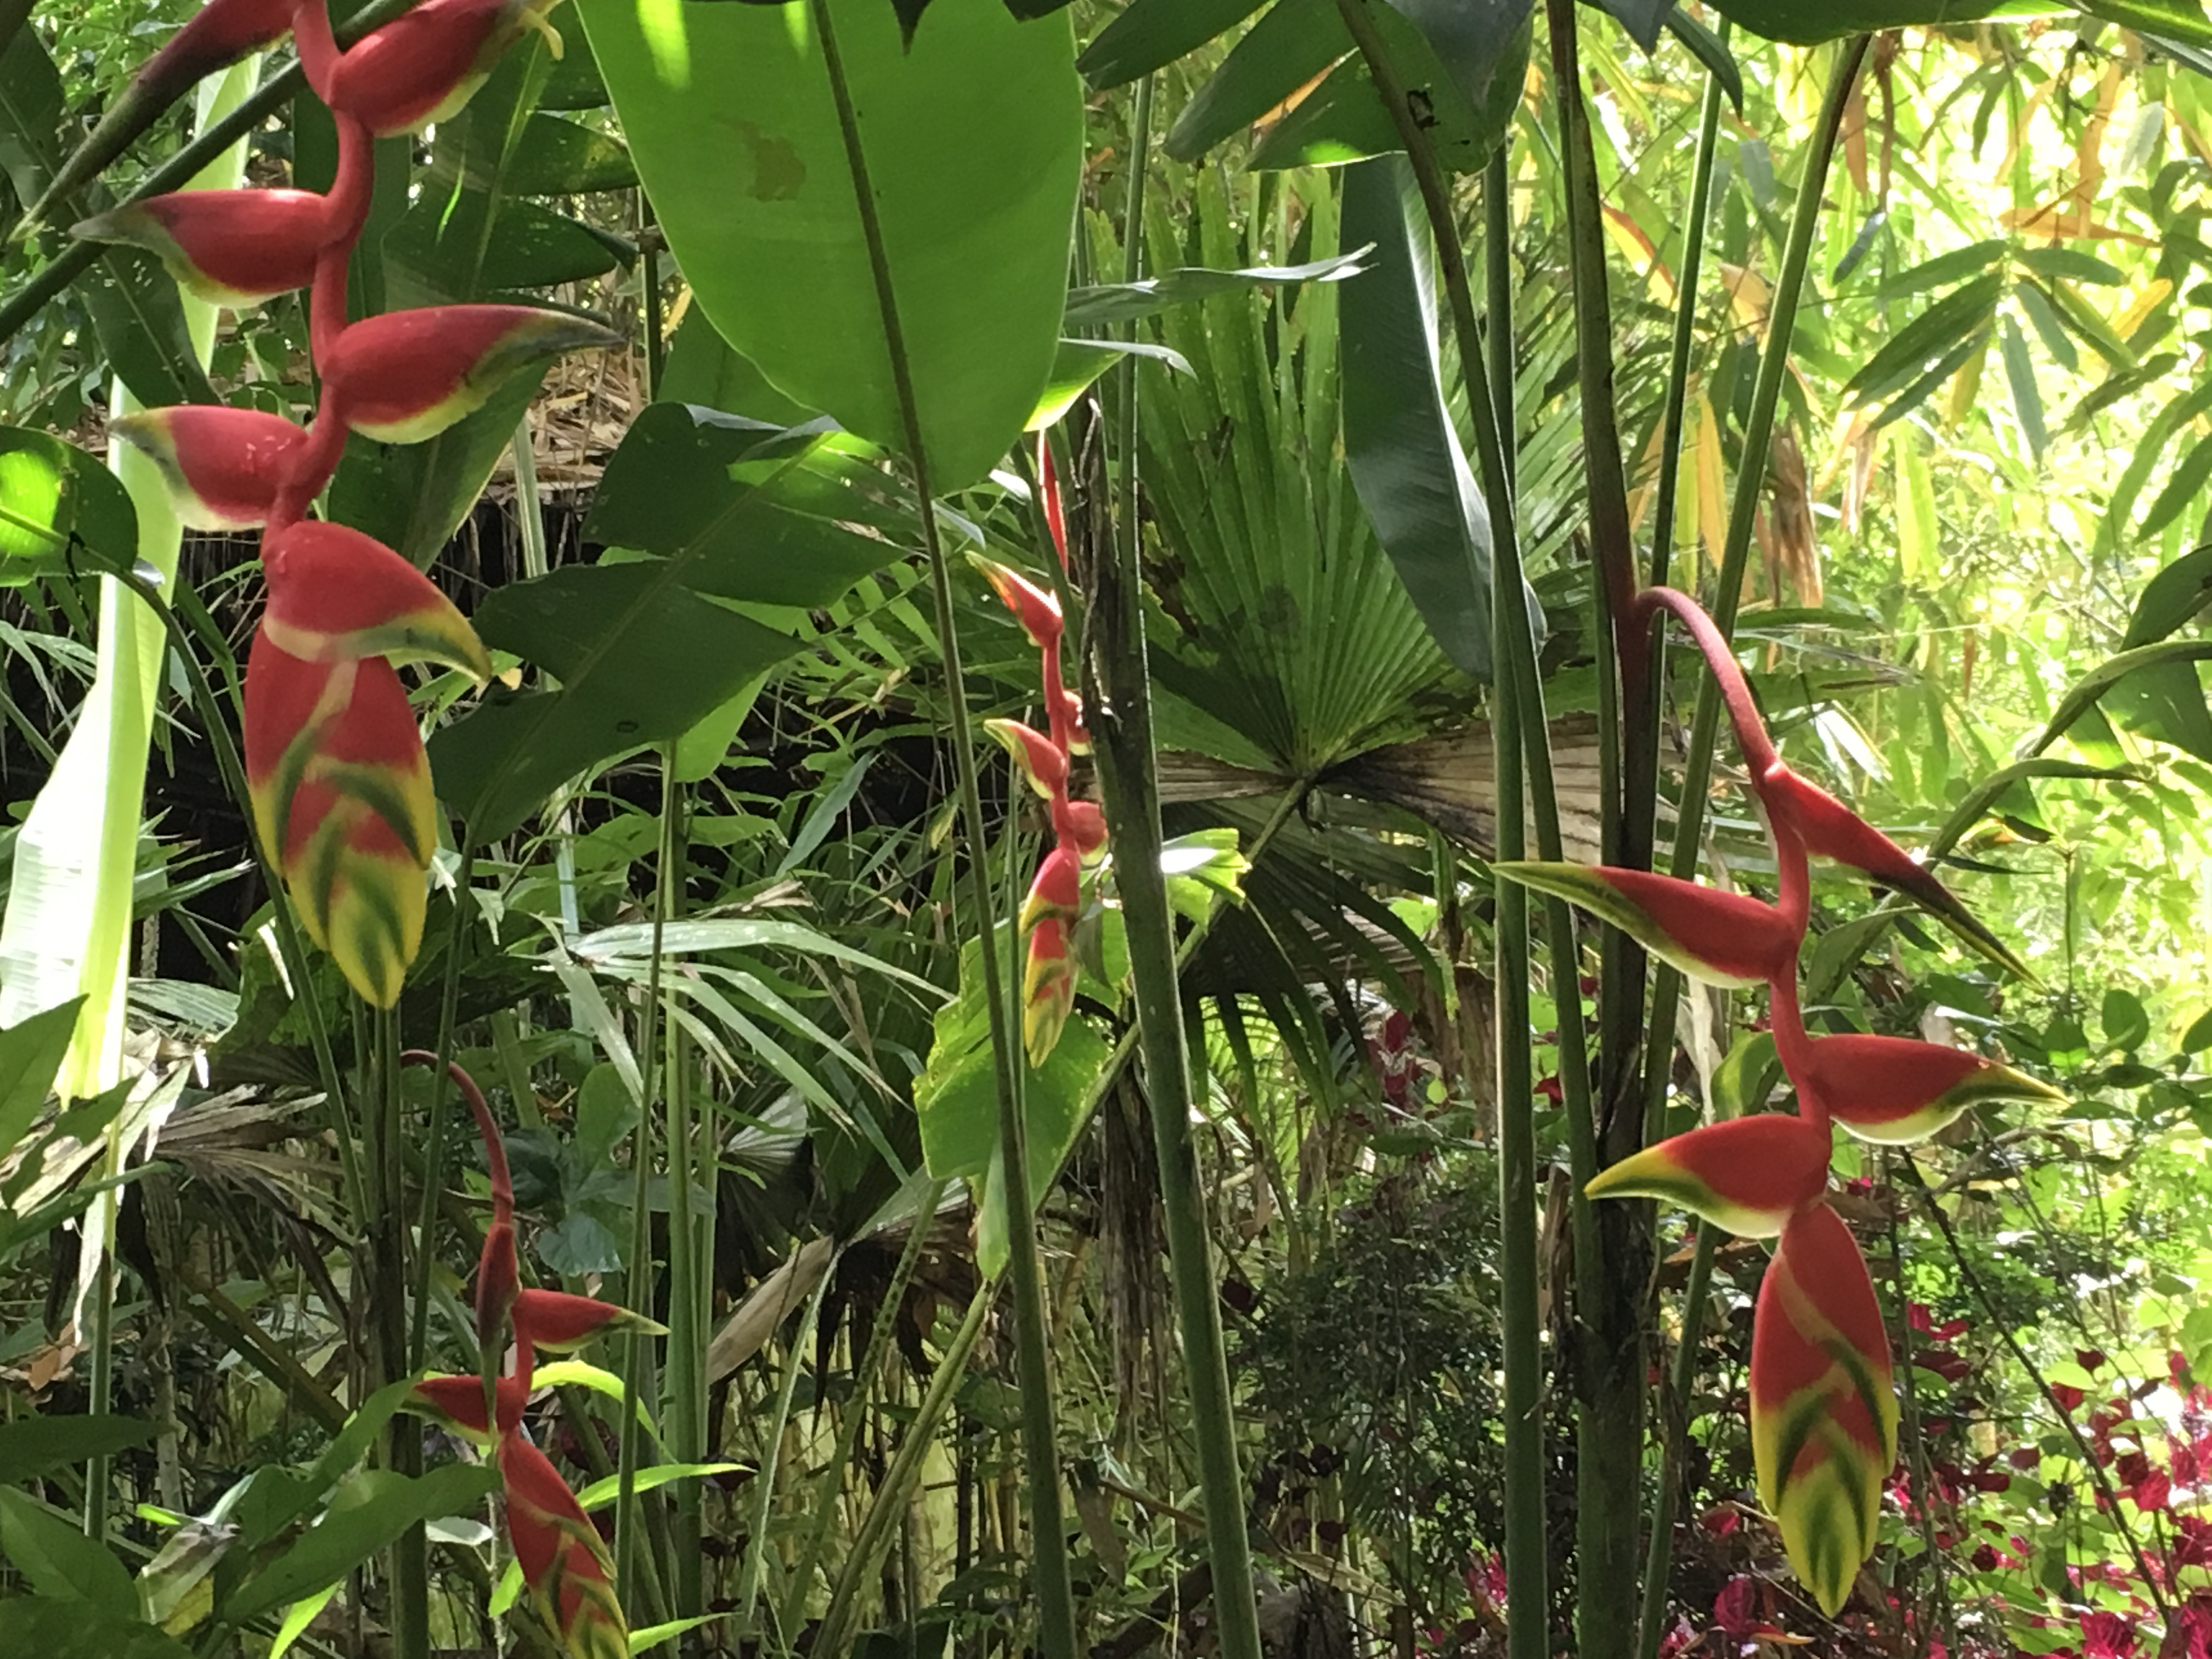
515 523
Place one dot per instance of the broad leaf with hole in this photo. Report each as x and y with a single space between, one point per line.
731 119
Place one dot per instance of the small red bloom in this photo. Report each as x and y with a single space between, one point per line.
422 66
1040 759
1723 939
404 376
562 1560
336 595
1749 1174
229 247
557 1321
1036 609
1895 1089
342 800
1056 892
459 1402
220 466
1047 988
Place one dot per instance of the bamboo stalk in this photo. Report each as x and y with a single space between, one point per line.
1049 1569
1525 1521
1121 728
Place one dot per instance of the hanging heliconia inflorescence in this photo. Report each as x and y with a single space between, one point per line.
1823 1414
341 785
1044 759
558 1551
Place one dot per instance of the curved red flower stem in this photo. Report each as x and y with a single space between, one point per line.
1792 1046
317 47
1760 755
347 205
312 464
503 1184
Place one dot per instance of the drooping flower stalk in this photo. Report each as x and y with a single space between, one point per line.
342 791
1079 828
334 761
563 1563
1824 1419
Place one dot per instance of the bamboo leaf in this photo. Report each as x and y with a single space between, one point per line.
1404 457
1150 34
2027 399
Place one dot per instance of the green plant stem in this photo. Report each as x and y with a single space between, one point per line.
1513 655
1121 728
792 1612
1674 1427
1915 1444
1497 269
100 1393
684 1378
387 1286
763 1491
835 1633
1049 1572
434 1149
638 1370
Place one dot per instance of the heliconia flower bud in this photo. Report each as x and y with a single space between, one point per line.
1056 891
559 1323
1056 520
422 66
562 1561
458 1401
1747 1175
1896 1090
1040 759
229 248
1823 1410
336 594
1083 827
1047 989
1830 830
220 466
405 376
342 800
1721 938
1037 610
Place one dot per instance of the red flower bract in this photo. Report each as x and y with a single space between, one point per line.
230 248
405 376
220 466
336 595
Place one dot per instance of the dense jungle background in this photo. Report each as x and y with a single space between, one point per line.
1882 328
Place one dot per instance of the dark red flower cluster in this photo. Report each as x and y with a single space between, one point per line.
341 785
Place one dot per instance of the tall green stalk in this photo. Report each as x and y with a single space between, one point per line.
1121 729
1514 717
1614 1243
1049 1572
1641 804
